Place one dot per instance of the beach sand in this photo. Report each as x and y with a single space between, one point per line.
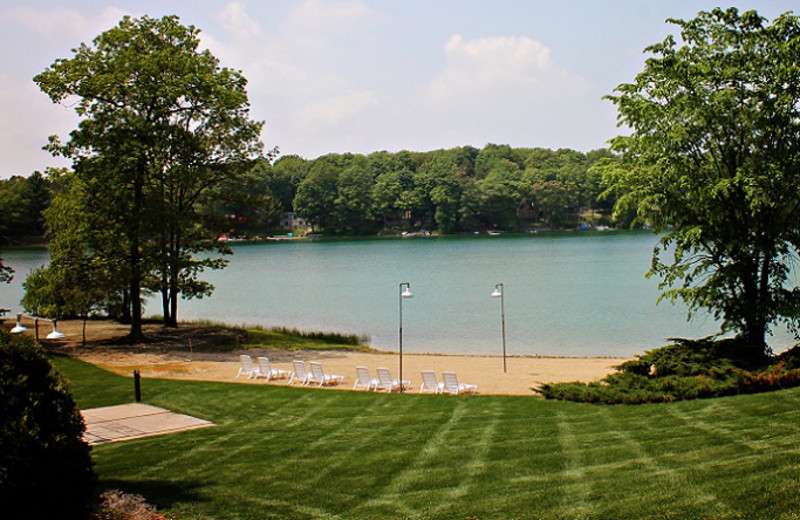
178 362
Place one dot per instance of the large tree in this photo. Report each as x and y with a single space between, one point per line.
161 123
713 163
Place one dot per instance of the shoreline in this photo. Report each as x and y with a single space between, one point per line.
184 356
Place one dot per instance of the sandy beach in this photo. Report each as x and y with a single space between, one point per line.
524 373
178 362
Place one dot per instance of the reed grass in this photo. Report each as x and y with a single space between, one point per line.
292 338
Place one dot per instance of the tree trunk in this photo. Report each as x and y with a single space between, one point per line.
754 334
135 259
136 294
165 307
125 312
174 269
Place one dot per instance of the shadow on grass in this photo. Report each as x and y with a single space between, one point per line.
161 493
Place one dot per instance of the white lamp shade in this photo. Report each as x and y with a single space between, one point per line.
18 329
497 293
55 334
407 293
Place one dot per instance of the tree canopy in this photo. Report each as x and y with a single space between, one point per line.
713 163
161 124
457 190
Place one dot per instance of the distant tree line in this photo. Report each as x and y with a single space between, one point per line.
457 190
22 203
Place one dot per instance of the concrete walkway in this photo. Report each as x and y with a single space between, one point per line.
133 421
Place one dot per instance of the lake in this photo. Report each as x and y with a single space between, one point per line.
570 294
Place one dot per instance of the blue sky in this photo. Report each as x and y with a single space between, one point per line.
367 75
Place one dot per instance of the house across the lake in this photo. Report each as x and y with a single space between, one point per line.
290 221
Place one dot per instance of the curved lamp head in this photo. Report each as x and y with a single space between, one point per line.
498 291
55 334
19 327
407 292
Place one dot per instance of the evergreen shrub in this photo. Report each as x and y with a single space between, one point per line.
687 369
45 467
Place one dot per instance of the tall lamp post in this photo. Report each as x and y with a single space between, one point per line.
499 293
403 294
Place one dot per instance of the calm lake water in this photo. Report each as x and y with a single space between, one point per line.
573 294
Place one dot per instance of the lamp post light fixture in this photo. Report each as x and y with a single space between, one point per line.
403 294
499 293
19 327
55 334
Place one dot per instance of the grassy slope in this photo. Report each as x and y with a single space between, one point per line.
295 453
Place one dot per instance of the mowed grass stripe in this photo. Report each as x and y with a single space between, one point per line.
407 479
294 453
362 434
576 488
674 486
261 428
470 470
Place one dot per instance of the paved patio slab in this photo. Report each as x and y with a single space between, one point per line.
133 421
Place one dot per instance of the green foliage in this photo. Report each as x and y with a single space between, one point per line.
316 195
162 124
713 163
353 203
280 338
68 287
323 337
456 190
22 201
687 370
45 467
6 273
294 339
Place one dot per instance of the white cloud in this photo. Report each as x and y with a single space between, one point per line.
238 22
28 119
503 68
318 19
296 80
59 21
337 109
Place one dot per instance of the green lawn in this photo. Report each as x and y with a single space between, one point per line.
281 452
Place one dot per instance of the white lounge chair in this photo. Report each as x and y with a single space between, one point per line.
429 383
320 378
385 381
248 368
300 373
363 380
265 370
452 386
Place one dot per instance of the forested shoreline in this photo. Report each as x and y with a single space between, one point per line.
462 189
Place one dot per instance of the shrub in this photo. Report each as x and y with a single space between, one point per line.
687 369
45 467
